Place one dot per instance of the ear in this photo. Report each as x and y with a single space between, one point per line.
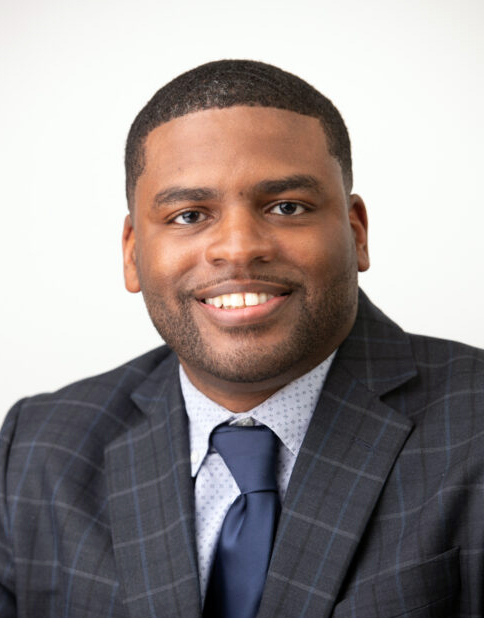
359 225
131 280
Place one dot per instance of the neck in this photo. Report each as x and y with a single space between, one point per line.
239 396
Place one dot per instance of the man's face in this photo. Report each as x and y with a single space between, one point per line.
245 244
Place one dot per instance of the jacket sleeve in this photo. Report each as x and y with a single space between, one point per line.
8 605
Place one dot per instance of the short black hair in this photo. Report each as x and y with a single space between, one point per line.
225 83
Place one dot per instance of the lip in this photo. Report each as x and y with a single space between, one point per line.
243 316
237 286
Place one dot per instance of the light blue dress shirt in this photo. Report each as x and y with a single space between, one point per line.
287 412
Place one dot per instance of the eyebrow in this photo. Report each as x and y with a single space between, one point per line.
175 194
289 183
172 195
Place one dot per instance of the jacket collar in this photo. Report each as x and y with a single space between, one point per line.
377 352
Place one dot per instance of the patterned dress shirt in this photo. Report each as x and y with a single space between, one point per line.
287 413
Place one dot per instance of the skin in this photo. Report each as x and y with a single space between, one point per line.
205 220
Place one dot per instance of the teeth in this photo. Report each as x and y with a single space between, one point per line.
236 301
251 299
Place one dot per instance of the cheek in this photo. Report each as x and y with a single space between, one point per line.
323 252
163 264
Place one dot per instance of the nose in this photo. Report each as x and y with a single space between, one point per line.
240 238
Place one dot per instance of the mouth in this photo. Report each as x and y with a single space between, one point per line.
234 303
240 300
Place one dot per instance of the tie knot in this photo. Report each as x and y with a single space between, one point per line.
250 455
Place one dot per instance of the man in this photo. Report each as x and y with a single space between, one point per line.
245 240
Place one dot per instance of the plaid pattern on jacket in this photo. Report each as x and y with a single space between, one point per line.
384 514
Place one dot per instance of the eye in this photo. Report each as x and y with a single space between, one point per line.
287 208
189 217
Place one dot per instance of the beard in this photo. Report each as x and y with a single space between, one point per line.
324 316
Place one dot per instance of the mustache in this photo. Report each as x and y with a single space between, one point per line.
246 276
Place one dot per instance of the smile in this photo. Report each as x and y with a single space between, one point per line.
252 305
239 303
239 300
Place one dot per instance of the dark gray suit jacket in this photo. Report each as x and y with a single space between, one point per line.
384 514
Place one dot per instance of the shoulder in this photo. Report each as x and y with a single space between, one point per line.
382 342
435 382
445 352
101 402
451 364
445 398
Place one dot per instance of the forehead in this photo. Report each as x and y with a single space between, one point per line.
239 143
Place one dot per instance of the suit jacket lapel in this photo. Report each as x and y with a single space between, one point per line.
151 503
348 452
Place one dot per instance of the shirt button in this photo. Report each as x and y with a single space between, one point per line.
194 457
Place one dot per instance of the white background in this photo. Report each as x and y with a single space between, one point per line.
407 76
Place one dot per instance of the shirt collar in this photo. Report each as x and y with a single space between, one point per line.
287 412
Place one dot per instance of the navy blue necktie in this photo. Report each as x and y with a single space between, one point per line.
245 542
